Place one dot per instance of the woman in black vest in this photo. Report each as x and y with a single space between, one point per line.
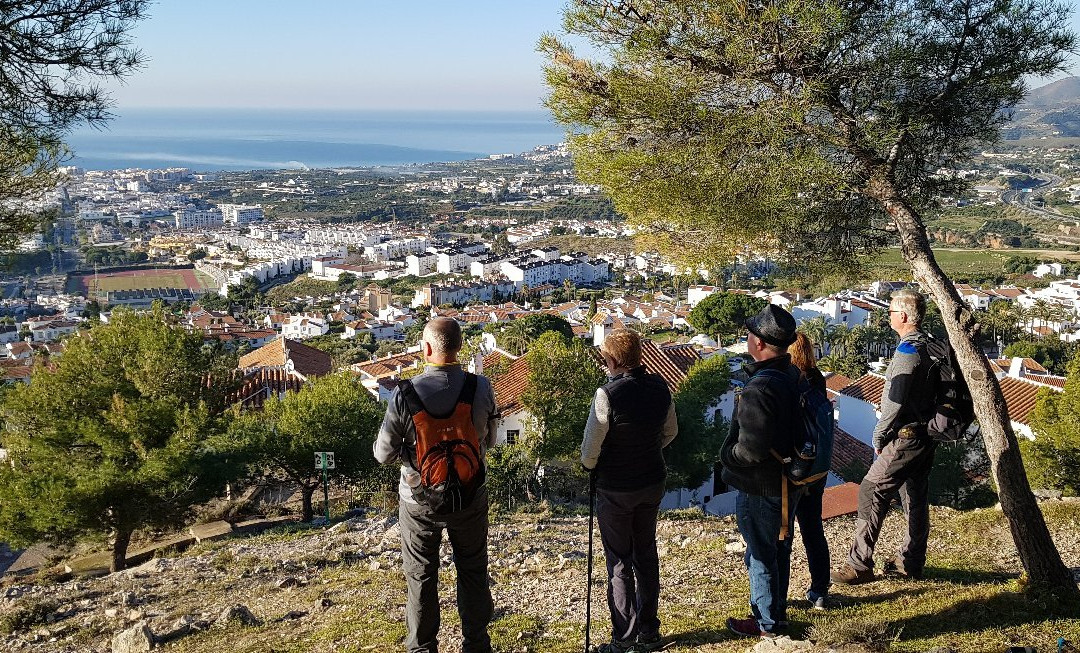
631 420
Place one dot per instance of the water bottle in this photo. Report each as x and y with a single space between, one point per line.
802 461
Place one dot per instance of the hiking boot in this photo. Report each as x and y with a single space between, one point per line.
896 567
615 647
849 576
747 628
647 642
818 602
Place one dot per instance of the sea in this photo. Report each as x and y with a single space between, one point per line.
208 140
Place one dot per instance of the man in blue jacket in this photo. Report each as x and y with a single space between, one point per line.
766 418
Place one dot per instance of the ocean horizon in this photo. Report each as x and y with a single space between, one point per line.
208 140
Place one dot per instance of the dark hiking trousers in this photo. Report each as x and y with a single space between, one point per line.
421 536
902 468
628 531
808 514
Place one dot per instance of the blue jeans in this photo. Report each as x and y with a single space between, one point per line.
768 559
808 513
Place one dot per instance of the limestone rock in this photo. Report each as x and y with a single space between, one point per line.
782 644
237 613
136 639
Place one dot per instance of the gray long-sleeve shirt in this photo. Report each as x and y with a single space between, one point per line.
596 428
908 395
438 388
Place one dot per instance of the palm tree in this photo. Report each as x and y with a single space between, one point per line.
1041 310
817 330
839 337
861 338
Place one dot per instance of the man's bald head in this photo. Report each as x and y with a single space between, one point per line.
443 334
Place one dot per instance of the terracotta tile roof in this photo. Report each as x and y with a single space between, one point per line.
840 500
868 388
1033 365
1048 379
1020 397
683 356
1030 364
387 366
261 384
834 382
509 383
849 451
1011 293
20 348
307 361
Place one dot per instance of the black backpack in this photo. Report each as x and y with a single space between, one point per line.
954 410
811 454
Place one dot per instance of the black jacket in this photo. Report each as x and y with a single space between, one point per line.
764 419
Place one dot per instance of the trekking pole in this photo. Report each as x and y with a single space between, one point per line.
588 584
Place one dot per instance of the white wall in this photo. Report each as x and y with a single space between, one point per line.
857 418
514 421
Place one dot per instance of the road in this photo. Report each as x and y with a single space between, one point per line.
1022 200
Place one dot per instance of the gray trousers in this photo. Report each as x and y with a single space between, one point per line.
628 530
902 468
421 536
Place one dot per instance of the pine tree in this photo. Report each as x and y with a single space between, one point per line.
120 433
799 130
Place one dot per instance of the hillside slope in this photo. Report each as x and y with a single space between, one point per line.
340 589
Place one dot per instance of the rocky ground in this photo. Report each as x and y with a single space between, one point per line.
340 589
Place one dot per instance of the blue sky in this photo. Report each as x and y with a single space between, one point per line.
347 54
370 54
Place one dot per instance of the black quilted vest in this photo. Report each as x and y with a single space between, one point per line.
631 457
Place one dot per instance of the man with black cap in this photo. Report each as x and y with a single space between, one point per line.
766 418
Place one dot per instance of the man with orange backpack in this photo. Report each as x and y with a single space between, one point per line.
439 425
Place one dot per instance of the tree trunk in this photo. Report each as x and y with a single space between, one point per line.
306 512
119 549
1036 548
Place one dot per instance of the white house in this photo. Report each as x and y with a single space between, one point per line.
421 264
300 327
1043 269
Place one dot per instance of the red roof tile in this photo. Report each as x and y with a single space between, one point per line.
1020 397
1048 379
868 388
849 453
263 383
306 360
836 382
509 383
840 500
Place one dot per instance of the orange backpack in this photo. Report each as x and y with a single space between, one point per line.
447 451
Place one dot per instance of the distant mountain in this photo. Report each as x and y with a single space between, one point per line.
1050 110
1054 94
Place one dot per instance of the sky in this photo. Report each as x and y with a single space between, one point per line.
341 54
346 54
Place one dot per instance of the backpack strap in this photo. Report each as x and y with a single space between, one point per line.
412 400
468 390
416 405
